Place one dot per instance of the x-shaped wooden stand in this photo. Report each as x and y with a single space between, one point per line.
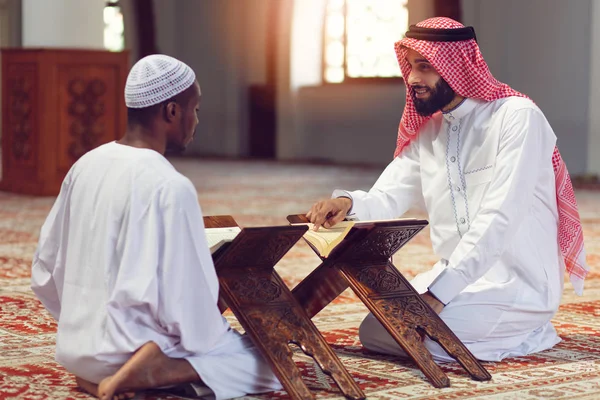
363 262
266 308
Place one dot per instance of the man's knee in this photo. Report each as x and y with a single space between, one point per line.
368 330
374 337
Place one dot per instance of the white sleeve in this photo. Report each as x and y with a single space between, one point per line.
187 282
524 147
395 192
45 256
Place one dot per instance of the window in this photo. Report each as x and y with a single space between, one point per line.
359 39
114 38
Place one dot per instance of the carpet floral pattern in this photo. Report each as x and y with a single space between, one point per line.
263 194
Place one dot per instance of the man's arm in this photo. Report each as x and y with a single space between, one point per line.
524 148
187 281
395 192
45 257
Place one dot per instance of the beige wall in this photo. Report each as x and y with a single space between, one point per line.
420 10
10 35
10 23
546 55
593 154
543 54
63 23
224 42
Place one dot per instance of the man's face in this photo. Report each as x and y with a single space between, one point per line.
190 118
429 91
186 124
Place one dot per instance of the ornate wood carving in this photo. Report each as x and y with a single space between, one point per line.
87 106
267 309
381 243
381 279
21 83
57 104
363 260
266 245
255 288
400 309
413 313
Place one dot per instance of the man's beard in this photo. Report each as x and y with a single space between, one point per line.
440 96
174 148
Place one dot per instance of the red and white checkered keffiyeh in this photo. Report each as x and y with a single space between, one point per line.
462 66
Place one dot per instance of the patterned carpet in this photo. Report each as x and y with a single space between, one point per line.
262 194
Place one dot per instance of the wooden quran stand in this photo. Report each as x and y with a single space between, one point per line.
266 308
362 261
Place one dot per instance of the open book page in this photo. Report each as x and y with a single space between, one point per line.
326 239
217 237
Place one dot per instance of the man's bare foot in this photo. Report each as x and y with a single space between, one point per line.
148 368
92 389
88 386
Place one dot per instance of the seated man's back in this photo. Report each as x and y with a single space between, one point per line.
123 260
114 206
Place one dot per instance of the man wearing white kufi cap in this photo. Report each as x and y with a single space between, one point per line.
123 264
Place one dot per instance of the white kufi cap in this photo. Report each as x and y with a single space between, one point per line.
156 78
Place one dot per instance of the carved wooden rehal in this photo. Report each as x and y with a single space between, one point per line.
363 262
266 308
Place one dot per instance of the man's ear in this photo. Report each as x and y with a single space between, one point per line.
170 111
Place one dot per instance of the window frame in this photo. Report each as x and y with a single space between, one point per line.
350 79
442 8
116 4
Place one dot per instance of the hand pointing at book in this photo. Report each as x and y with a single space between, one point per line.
328 213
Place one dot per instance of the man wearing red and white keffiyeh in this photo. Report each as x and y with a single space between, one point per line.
481 159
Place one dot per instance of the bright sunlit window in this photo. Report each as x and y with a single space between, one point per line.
360 36
114 29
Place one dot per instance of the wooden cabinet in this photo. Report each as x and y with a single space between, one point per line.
57 104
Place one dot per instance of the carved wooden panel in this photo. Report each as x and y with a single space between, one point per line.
380 242
267 309
400 309
413 313
257 287
20 107
362 261
85 97
87 109
57 104
262 247
382 278
270 314
364 246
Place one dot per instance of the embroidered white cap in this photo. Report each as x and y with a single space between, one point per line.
156 78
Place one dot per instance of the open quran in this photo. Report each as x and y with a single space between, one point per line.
325 240
217 237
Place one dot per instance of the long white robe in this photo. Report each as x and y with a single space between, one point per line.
483 173
123 259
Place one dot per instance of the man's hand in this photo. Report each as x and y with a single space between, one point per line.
327 213
434 303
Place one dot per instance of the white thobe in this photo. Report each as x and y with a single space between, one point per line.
122 260
483 173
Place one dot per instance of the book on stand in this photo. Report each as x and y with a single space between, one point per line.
324 240
217 237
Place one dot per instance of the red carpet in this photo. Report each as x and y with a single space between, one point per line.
261 194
